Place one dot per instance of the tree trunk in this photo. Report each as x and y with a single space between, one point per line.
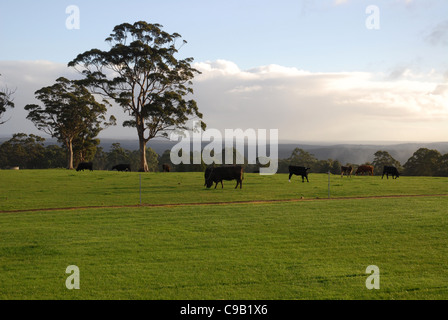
70 155
143 163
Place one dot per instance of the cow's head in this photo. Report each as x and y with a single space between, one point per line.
209 182
207 176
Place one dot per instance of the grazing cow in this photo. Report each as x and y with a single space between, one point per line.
166 168
122 167
207 172
346 170
299 171
364 169
218 174
390 170
85 166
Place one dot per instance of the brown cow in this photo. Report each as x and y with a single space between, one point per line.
166 168
364 169
347 170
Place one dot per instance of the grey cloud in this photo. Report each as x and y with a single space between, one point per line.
302 105
441 89
439 34
27 77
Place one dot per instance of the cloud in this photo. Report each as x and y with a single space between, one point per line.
340 2
321 106
439 34
26 77
303 105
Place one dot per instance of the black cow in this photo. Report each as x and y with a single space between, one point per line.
122 167
85 166
299 171
166 168
346 170
390 170
207 172
218 174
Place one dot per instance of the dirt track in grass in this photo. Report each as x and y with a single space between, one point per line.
222 203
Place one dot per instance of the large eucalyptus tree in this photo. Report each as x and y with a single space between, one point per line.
69 111
142 75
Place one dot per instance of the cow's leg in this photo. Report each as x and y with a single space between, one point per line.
222 185
240 182
290 175
237 183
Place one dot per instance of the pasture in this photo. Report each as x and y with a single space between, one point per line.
194 248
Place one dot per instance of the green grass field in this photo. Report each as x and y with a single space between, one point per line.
316 249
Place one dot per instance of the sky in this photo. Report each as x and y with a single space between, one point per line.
316 70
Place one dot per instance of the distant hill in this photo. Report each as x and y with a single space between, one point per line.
345 153
352 153
361 153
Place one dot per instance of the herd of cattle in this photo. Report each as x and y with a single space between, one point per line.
216 175
219 174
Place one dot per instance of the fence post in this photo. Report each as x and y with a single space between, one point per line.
329 173
140 189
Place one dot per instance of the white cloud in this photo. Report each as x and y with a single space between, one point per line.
339 2
321 106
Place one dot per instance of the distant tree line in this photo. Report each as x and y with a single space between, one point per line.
29 152
424 162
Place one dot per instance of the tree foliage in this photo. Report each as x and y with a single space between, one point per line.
6 101
141 74
118 155
69 113
383 158
300 157
28 152
424 162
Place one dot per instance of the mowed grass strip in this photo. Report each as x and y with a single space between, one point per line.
42 189
300 250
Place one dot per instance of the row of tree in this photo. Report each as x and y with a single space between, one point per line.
424 162
30 152
139 73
